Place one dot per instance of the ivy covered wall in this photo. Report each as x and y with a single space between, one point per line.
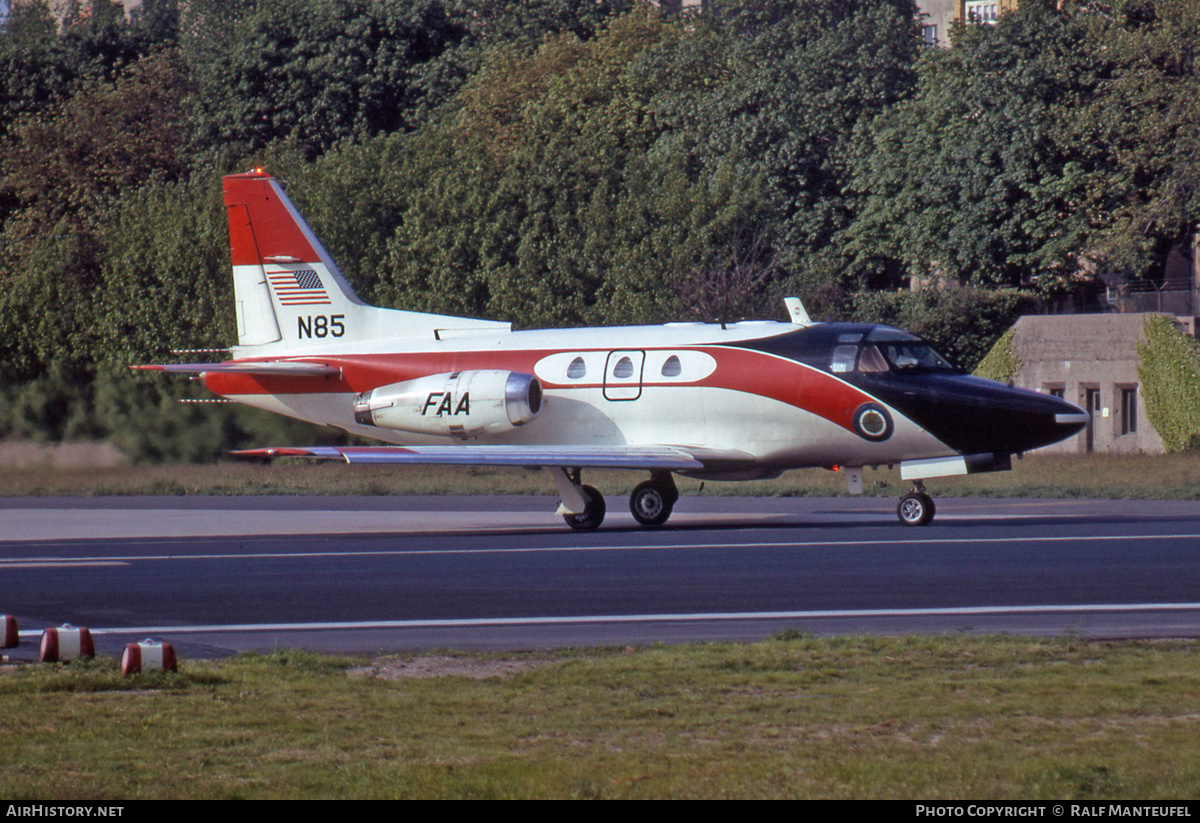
1169 368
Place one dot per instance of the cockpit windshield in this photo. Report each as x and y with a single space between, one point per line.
885 349
857 348
902 356
900 351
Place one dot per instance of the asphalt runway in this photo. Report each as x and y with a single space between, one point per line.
218 575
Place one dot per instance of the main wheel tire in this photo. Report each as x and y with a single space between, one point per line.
916 509
651 503
593 512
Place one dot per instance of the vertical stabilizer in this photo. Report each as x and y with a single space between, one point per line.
283 278
290 294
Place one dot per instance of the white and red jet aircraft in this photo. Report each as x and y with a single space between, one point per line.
734 401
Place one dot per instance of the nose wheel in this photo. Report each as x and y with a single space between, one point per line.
916 508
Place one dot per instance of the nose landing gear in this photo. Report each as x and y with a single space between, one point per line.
916 508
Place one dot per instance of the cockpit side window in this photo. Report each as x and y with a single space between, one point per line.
871 361
843 359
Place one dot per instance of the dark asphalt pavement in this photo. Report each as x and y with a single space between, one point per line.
381 574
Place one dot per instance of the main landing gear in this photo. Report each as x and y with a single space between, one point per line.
652 502
583 508
916 508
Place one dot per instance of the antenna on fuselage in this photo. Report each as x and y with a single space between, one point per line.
797 312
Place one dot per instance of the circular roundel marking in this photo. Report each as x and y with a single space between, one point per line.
872 421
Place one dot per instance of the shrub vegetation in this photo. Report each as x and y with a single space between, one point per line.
1170 376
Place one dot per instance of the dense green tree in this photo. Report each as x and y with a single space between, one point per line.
62 174
53 405
973 178
689 247
46 287
526 24
29 76
783 86
316 71
1137 138
539 200
518 182
1053 136
627 176
164 279
40 68
74 159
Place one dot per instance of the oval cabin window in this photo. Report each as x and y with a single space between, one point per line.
624 368
577 369
672 367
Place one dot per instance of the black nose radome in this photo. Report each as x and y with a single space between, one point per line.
973 415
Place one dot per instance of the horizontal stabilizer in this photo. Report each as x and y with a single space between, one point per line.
266 369
665 458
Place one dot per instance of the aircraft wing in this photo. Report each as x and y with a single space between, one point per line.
271 369
665 458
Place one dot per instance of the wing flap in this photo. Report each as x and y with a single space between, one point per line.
665 458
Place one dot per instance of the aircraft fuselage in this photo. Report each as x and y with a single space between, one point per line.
766 392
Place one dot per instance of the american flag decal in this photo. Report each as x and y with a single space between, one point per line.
298 288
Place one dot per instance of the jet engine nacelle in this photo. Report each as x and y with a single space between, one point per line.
460 404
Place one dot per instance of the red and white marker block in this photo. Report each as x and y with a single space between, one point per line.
66 643
148 656
10 638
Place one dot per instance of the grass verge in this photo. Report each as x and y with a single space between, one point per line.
1174 476
797 717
